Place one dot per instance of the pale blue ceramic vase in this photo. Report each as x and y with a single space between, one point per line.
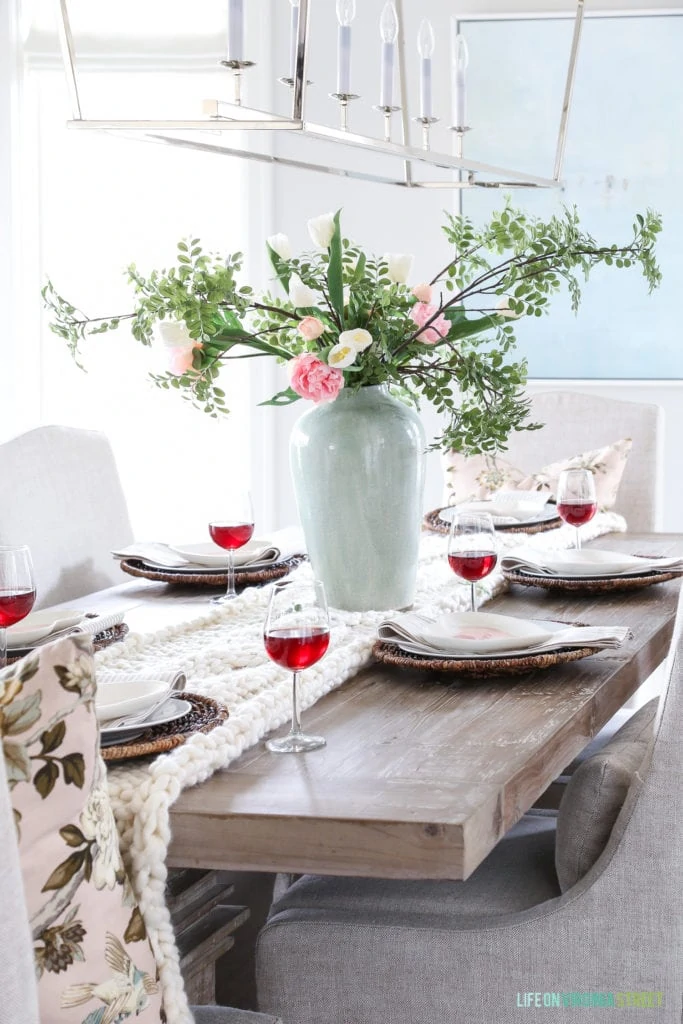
358 470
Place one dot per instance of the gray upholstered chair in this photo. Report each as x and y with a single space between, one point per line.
339 950
575 422
63 497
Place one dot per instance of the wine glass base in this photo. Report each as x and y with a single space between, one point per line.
223 599
295 744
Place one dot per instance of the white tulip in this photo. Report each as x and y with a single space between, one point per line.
173 333
358 339
321 230
399 265
280 245
341 355
300 295
503 308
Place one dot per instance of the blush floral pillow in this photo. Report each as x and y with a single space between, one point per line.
93 960
479 476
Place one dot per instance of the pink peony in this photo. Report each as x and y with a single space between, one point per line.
180 357
423 292
313 379
438 328
310 328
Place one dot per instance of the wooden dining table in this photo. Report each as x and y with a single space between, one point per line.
422 773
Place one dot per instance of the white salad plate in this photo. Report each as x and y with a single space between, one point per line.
215 557
483 633
588 563
170 711
114 700
39 625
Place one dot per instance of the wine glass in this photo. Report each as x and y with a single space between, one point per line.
576 502
231 532
471 548
296 635
17 590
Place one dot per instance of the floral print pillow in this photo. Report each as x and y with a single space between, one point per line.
479 476
94 964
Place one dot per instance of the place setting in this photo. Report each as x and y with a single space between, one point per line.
150 714
528 512
231 558
479 644
592 570
23 630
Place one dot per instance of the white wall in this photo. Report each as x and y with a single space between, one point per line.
393 220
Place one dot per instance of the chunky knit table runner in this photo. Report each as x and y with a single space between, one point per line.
222 654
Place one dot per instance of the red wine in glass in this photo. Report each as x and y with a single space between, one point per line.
576 513
297 649
231 532
15 606
296 635
471 549
17 590
472 565
231 535
576 501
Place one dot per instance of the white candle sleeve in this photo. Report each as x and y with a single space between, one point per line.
293 42
344 60
426 87
386 96
236 30
459 100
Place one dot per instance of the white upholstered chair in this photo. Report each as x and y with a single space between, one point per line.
63 497
575 423
338 950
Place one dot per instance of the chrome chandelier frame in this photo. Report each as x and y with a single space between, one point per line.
221 116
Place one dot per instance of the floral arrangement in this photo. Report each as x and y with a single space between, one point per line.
345 319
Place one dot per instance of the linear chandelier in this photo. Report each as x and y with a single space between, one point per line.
221 117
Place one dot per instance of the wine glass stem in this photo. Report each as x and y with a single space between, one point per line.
578 539
473 597
3 647
296 724
231 592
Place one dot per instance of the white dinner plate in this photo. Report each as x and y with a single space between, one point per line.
113 700
589 563
39 625
483 633
170 711
543 515
211 555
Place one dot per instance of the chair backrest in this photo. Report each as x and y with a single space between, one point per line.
62 496
17 972
575 423
641 867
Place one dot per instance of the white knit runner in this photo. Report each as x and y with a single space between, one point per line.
223 657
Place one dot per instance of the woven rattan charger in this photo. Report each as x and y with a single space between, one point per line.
594 585
205 715
243 576
433 521
480 668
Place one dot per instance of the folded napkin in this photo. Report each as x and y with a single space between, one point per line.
281 544
534 563
174 680
407 631
99 623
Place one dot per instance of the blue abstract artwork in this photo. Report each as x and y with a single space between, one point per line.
624 154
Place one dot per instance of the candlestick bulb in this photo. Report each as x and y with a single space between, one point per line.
425 39
346 12
388 23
